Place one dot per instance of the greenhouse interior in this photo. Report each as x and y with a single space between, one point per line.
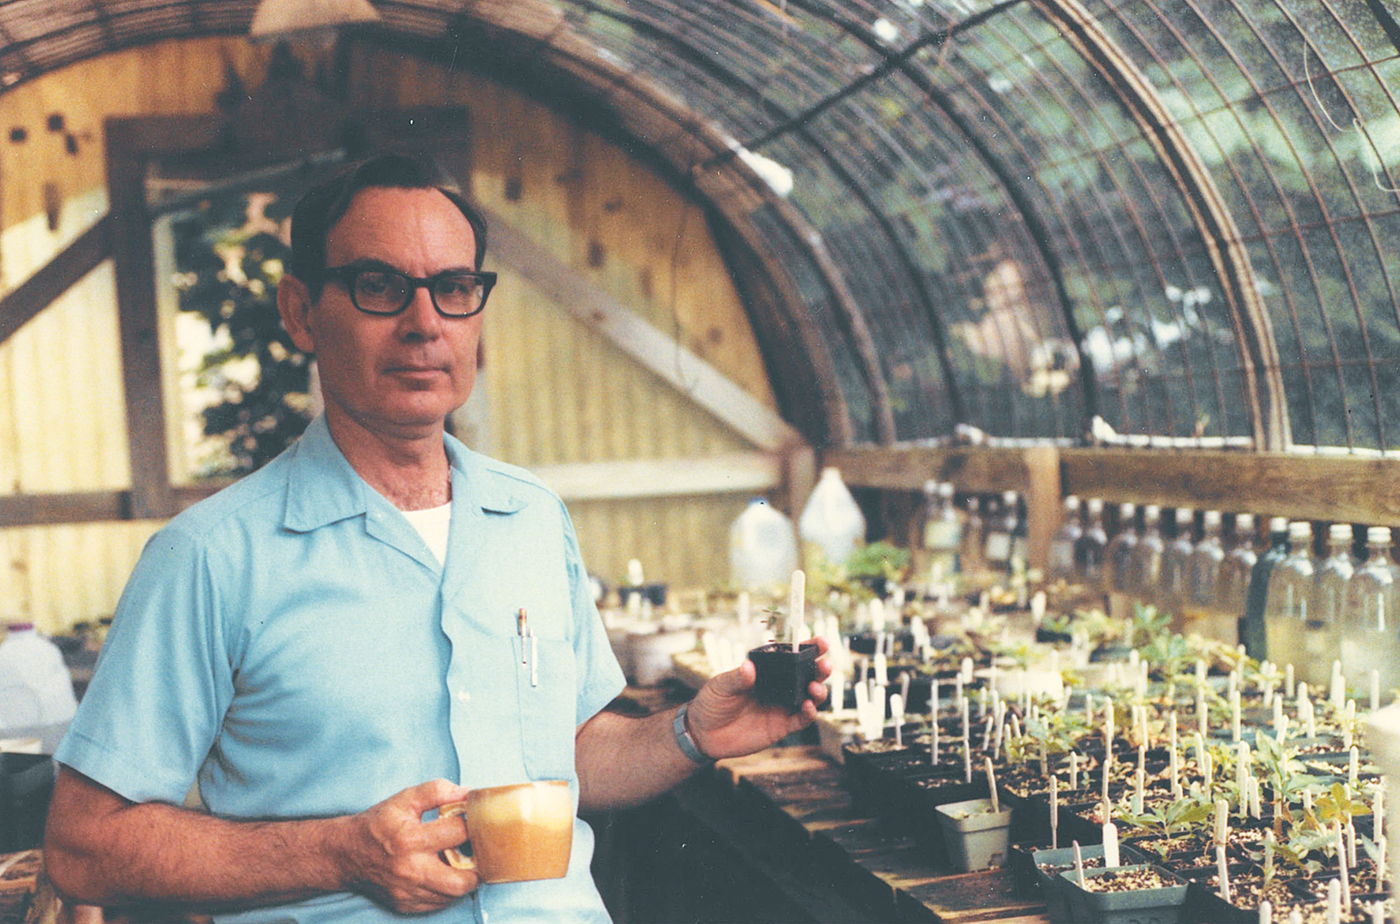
944 451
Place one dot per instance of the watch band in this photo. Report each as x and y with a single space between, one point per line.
684 741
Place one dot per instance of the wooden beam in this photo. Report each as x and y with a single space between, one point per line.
1341 489
981 470
732 473
88 507
57 276
649 346
128 149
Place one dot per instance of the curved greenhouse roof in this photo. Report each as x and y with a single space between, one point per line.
1061 219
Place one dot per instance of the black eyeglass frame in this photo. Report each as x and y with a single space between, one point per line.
345 275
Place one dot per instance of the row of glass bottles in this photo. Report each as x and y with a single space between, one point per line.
1284 604
989 537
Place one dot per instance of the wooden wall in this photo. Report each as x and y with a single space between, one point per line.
556 391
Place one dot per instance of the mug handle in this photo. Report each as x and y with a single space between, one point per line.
454 856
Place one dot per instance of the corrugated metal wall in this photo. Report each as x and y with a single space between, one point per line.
557 392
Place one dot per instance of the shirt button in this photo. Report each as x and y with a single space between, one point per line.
463 696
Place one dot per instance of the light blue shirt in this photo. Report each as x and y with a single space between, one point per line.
293 645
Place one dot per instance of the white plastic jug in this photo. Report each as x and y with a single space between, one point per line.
36 690
762 547
832 520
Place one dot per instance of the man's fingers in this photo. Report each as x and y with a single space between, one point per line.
431 795
443 833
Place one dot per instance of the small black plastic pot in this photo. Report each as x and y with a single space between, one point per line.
784 674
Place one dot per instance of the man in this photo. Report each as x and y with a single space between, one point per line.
330 643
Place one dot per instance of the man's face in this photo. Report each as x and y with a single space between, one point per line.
394 376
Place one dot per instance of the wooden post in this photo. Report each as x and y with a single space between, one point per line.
1043 501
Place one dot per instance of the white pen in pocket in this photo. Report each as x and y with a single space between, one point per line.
534 659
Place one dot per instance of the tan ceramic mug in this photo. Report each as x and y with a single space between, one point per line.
515 833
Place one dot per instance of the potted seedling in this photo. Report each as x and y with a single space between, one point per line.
976 831
785 670
1138 894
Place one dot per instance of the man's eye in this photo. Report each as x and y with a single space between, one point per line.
372 283
455 285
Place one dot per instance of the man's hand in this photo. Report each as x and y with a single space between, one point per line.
395 859
726 721
102 849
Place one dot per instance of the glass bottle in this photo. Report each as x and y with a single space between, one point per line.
1326 609
1172 590
1145 565
942 537
1060 561
1253 631
1092 544
1120 551
1199 609
1020 535
1000 533
970 557
1286 607
1232 580
1370 641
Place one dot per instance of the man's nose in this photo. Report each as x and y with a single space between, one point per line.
420 318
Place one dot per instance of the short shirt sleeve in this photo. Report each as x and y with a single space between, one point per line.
163 680
600 678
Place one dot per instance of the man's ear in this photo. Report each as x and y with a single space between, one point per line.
294 305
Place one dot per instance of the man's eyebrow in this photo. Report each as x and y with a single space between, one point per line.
370 263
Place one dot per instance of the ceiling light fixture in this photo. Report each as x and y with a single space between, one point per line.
283 19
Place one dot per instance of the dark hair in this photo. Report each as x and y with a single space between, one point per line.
324 204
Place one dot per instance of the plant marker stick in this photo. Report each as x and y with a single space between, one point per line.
1266 913
1234 715
1348 723
1378 815
1268 855
1223 870
1222 821
1351 844
897 713
1073 771
797 598
1079 864
1175 772
1198 743
1377 912
966 743
1288 679
1242 777
1202 717
1302 694
1110 844
1353 767
1380 855
1339 686
992 784
933 706
1088 709
1139 781
1342 862
1207 772
1334 902
1054 813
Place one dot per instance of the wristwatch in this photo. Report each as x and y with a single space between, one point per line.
684 741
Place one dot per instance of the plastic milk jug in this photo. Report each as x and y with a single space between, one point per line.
762 547
832 520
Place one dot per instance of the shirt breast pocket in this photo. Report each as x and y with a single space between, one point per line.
547 689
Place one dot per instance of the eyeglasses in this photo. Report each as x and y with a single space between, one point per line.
383 291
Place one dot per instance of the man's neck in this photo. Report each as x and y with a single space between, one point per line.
411 470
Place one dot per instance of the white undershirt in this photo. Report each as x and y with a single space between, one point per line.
433 525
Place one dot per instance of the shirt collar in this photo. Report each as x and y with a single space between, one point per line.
323 488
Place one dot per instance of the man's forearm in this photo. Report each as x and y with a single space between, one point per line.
103 849
155 852
624 761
